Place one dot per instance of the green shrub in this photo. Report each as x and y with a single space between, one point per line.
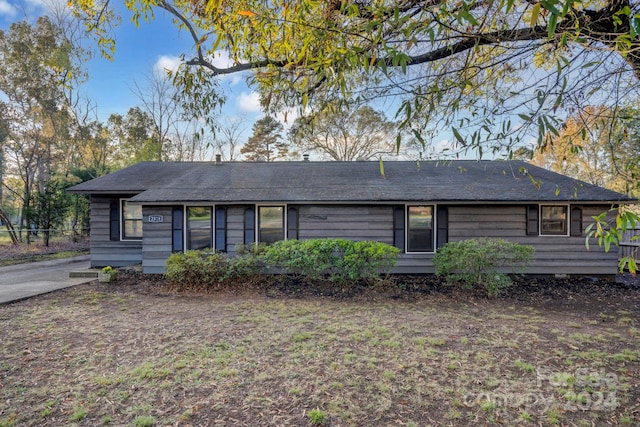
242 267
475 262
339 260
192 270
196 269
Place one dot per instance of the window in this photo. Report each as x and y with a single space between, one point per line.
420 229
270 224
198 227
131 221
554 220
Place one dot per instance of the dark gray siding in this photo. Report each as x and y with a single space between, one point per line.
359 223
348 222
554 254
104 251
157 239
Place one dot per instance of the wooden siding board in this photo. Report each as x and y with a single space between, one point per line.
349 222
104 251
554 254
157 238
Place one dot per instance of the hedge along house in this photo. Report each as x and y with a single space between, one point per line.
144 213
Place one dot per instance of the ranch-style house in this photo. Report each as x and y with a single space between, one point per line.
144 213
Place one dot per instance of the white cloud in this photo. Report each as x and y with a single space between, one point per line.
220 59
233 79
40 3
7 9
35 7
166 62
249 102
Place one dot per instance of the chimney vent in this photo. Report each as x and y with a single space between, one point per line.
218 159
305 157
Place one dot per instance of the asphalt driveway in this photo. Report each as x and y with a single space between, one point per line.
26 280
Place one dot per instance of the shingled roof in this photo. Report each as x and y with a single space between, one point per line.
306 182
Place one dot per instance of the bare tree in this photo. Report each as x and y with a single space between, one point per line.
229 137
345 135
182 134
492 73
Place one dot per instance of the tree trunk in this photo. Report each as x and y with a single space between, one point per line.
12 232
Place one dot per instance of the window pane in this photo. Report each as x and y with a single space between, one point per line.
198 227
271 224
554 220
133 229
131 221
420 229
131 211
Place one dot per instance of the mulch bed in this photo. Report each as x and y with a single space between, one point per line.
572 292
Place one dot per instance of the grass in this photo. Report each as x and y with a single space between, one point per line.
192 360
23 253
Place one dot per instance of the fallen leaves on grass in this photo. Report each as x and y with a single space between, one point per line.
134 353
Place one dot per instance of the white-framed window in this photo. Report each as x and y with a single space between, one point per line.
554 220
420 226
131 220
198 227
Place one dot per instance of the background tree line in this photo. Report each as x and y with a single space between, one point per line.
554 81
51 139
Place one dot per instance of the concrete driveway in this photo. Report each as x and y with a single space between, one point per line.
26 280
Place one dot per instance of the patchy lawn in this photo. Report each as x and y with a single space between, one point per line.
546 353
58 248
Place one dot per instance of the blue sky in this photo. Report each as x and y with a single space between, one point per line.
139 50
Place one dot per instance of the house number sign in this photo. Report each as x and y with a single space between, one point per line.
156 218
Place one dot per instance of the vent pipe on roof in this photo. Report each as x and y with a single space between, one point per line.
305 157
218 159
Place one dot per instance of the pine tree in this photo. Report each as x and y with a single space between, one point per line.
266 143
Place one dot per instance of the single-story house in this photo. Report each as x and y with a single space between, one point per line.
144 213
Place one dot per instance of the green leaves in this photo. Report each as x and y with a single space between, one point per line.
458 137
337 259
535 13
634 24
465 15
475 262
551 25
609 231
550 5
446 60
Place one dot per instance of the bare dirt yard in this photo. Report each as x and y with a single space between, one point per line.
409 353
